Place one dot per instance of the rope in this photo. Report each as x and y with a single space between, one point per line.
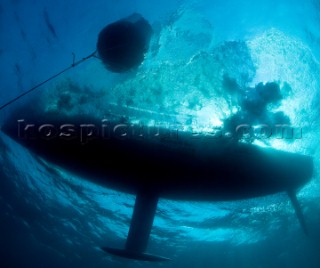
74 64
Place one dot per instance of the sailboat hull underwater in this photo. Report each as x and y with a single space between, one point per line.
153 164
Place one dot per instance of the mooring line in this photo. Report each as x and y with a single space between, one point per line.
74 64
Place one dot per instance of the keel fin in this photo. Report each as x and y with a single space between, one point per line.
142 221
140 229
295 203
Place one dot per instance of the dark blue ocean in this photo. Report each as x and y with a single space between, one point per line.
206 66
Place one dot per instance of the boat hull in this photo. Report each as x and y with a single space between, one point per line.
173 164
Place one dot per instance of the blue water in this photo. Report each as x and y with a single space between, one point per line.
52 218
